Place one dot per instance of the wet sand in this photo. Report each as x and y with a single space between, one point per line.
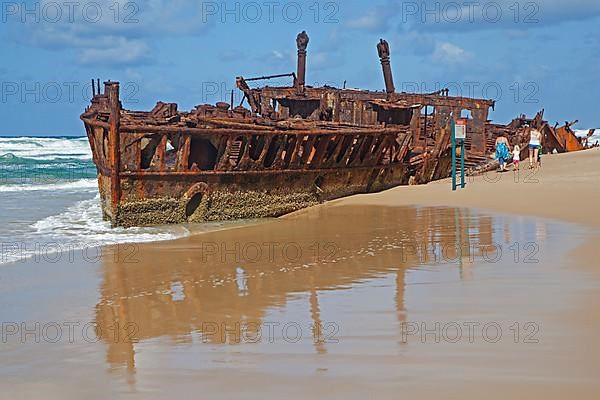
431 302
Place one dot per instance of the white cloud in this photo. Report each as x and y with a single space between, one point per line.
450 15
115 31
367 22
379 17
121 52
449 53
277 55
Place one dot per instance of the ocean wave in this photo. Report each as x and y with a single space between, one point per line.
8 157
81 227
584 132
81 184
83 222
46 148
50 159
62 166
33 164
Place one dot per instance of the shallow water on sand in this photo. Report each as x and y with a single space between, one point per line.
339 302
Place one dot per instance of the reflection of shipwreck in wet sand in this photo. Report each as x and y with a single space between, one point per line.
213 292
295 147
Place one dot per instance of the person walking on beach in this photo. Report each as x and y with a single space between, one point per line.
516 157
502 151
535 142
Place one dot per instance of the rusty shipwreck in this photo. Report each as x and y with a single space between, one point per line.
295 146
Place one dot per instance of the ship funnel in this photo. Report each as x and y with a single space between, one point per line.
383 48
302 43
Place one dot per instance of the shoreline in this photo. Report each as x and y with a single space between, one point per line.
555 191
562 178
511 203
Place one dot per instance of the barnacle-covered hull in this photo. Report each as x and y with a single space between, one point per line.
218 197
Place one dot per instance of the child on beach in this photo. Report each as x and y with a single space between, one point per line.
516 157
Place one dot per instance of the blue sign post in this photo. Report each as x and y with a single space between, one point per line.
459 134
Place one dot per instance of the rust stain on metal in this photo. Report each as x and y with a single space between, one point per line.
294 147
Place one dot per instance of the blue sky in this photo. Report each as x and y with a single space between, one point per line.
526 55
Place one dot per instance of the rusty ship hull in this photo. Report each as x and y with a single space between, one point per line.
295 147
159 170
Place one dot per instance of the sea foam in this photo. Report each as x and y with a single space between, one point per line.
50 201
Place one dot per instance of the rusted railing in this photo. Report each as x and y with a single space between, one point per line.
163 150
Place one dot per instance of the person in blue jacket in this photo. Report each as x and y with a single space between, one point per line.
502 152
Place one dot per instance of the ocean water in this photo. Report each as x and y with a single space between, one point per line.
49 201
584 132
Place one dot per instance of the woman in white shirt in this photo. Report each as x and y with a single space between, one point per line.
535 142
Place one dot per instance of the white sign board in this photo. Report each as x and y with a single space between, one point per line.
460 131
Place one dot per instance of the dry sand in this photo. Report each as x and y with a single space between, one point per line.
567 187
368 269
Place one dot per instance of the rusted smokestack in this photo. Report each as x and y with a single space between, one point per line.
302 43
384 55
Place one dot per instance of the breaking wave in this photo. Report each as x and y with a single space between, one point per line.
584 132
50 194
46 148
45 164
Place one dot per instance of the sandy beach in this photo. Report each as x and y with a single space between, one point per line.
565 188
488 292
